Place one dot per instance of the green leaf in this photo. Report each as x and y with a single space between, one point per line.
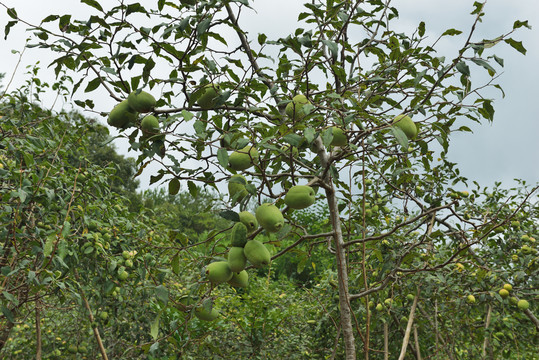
66 229
162 294
517 24
293 139
222 156
401 137
193 189
173 186
203 26
8 314
47 248
154 330
485 64
12 13
187 115
463 68
421 28
28 159
516 45
452 32
175 263
92 85
230 215
309 134
333 48
92 3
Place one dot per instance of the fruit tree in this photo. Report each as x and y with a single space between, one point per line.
344 111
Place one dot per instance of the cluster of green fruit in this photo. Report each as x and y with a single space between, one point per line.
126 113
504 293
244 250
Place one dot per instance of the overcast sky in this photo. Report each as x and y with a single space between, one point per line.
507 149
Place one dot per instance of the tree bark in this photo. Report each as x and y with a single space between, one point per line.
409 327
38 333
344 298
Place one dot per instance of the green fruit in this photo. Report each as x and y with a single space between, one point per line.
294 109
339 137
526 250
128 263
410 297
208 98
508 287
236 185
503 293
238 235
123 275
240 279
218 272
104 315
523 304
471 299
270 217
126 255
379 307
207 315
236 259
249 220
243 159
150 125
300 197
257 253
72 349
122 115
406 124
142 101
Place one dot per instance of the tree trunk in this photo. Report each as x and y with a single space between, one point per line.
344 298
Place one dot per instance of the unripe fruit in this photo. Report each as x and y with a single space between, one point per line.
339 137
142 101
122 115
240 279
150 125
471 299
257 253
508 287
123 275
294 109
249 220
523 304
406 124
379 307
503 293
236 259
270 217
243 159
207 315
104 315
300 197
218 272
208 98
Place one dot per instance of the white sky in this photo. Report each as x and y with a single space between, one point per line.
505 150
